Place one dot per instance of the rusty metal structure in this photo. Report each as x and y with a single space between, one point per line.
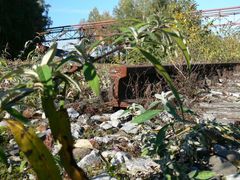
226 16
70 32
139 83
229 16
221 12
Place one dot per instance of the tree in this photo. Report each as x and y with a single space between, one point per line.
138 9
19 22
95 15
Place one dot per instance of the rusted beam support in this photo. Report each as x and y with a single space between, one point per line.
132 83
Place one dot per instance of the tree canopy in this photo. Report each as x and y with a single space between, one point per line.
19 22
95 15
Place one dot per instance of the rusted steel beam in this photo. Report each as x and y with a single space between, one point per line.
137 83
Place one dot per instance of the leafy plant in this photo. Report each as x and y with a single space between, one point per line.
146 38
47 78
179 146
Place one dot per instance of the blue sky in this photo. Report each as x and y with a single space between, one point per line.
68 12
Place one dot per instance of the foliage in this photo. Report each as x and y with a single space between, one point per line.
179 146
150 39
219 45
46 77
19 21
95 15
36 152
141 9
206 43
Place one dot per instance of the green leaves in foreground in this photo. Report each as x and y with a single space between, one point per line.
36 152
180 41
50 54
202 175
91 77
61 131
148 114
45 76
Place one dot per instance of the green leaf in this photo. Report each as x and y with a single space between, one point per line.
91 77
172 110
45 76
49 55
134 33
161 135
148 114
22 165
17 115
61 131
176 36
192 174
201 175
159 144
36 152
154 104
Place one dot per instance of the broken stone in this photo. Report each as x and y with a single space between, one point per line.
115 123
80 153
106 125
83 119
72 113
230 155
14 152
15 158
116 115
97 119
208 117
232 177
237 95
216 93
220 80
130 128
105 139
28 113
166 117
7 116
76 130
103 176
31 177
221 166
83 143
141 165
93 159
120 158
108 154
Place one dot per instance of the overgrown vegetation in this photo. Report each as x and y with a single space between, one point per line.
206 42
177 146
